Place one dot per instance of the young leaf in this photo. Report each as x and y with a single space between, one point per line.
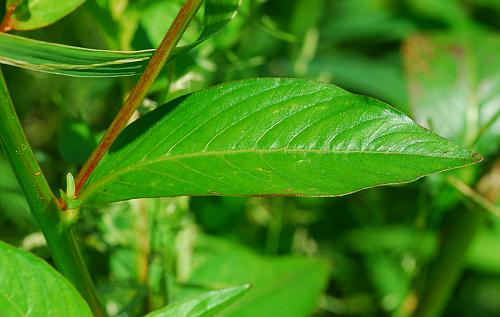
30 287
31 15
269 137
203 305
454 86
81 62
288 286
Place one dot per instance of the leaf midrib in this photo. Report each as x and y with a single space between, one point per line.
18 309
103 180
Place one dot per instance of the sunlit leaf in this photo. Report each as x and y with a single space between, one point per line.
269 137
30 287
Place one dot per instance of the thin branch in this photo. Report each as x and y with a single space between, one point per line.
140 90
485 128
477 198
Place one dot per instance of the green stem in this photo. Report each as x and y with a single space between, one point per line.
448 267
55 225
277 210
167 46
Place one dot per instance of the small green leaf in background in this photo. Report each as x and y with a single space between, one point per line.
34 14
203 305
451 12
364 20
454 86
269 137
381 79
286 286
483 254
30 287
81 62
156 19
75 141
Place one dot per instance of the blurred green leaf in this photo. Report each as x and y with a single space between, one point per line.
203 305
392 239
454 86
30 287
372 242
493 4
366 20
306 15
34 14
281 286
381 78
269 137
483 254
13 204
389 279
451 12
156 18
75 141
82 62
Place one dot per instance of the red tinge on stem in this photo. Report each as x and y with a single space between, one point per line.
6 24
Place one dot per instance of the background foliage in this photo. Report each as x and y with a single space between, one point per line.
366 254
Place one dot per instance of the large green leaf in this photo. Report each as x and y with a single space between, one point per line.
80 62
34 14
454 86
203 305
285 286
269 137
30 287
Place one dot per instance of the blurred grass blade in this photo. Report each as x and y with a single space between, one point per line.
31 287
68 60
203 305
31 15
269 137
81 62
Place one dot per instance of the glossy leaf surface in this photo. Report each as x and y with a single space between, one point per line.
284 286
454 84
269 137
31 14
30 287
203 305
81 62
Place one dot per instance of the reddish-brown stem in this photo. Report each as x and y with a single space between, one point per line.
140 90
6 24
